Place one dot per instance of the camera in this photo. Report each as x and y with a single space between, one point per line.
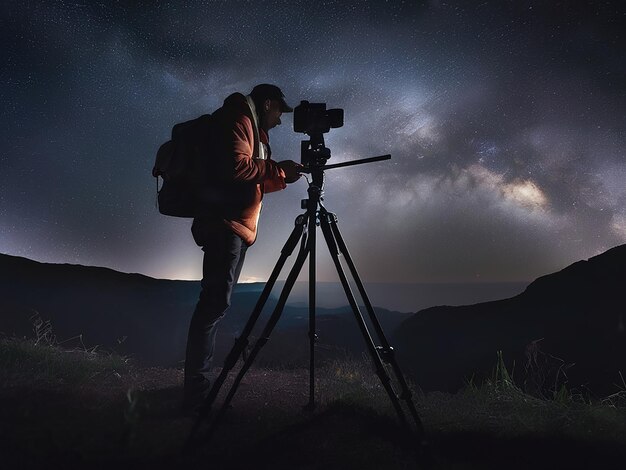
314 118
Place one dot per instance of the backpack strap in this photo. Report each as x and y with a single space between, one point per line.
261 152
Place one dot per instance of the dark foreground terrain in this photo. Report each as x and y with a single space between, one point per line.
81 409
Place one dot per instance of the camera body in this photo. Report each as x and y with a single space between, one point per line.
314 118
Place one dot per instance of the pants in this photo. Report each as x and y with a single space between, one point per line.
224 253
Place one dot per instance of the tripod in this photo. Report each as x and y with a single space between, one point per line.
304 232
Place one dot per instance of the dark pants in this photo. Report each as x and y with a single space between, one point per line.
224 253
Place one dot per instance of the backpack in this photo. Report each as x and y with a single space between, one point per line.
181 163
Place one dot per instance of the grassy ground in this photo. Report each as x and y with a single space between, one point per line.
82 408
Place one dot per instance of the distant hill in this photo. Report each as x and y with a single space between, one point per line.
101 304
151 316
576 314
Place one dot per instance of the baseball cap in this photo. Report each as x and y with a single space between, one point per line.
266 91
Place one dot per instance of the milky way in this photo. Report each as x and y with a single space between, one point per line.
506 124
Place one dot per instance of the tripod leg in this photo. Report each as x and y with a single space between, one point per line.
312 330
380 368
242 341
386 351
278 310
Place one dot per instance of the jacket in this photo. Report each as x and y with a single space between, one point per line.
236 173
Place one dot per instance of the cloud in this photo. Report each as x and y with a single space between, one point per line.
524 194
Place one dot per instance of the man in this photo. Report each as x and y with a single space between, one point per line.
242 171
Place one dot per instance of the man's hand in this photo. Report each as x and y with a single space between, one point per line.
292 170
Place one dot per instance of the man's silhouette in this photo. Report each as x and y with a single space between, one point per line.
242 170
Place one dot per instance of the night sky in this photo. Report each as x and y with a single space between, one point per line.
506 122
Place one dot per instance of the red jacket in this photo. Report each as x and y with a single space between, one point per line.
241 177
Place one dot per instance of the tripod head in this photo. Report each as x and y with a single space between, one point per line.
313 156
316 155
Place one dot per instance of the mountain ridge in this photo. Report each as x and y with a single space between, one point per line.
576 314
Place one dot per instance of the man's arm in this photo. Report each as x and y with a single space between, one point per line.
292 170
241 148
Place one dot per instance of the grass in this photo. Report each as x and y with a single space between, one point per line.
499 405
24 362
44 361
